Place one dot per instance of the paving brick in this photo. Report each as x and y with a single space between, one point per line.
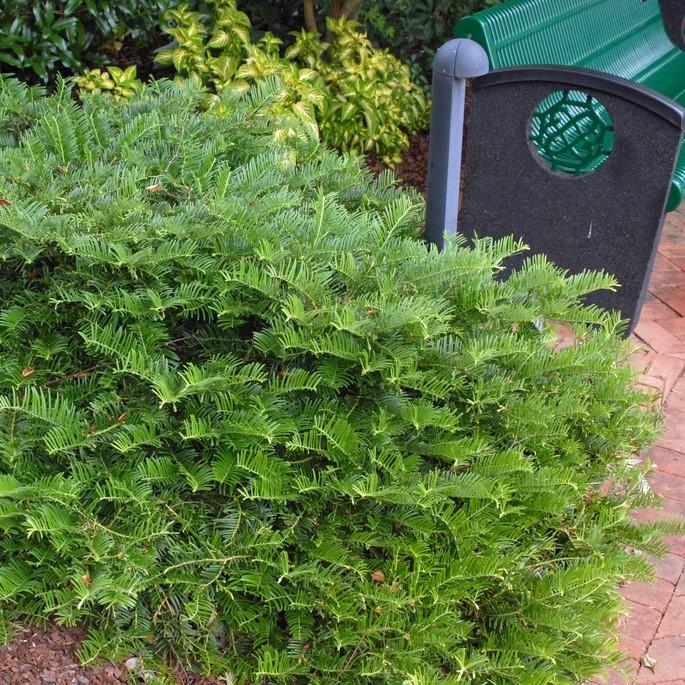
668 485
673 245
676 400
680 385
669 568
674 506
658 338
633 647
642 358
663 263
666 461
675 544
676 219
668 369
653 385
679 262
662 278
655 595
675 419
675 325
674 436
673 622
675 239
647 515
671 249
680 587
673 296
669 653
642 622
676 230
614 677
656 310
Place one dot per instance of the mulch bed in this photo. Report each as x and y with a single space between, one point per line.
413 171
48 657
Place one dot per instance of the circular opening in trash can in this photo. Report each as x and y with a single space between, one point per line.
571 132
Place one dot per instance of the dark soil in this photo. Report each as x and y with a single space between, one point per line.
48 657
413 170
144 61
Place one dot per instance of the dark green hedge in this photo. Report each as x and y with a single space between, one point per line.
39 38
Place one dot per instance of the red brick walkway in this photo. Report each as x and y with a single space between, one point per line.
654 632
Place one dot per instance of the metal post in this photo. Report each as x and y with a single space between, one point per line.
456 61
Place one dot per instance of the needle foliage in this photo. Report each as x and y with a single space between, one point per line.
251 423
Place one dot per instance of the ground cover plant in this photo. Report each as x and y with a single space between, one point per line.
249 421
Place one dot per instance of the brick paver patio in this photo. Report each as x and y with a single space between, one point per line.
654 631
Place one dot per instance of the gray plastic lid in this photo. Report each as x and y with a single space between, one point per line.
461 58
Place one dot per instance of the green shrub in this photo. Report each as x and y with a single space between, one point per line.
415 29
121 83
248 420
412 29
44 37
358 97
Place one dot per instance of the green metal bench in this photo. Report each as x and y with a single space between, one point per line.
640 40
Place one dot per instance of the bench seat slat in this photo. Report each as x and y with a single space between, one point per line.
523 32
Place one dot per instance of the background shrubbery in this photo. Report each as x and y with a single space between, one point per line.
44 37
338 79
248 420
412 29
357 96
40 38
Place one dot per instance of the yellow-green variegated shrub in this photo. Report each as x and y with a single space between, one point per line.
121 83
356 96
372 103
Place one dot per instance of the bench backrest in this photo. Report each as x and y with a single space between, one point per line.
622 37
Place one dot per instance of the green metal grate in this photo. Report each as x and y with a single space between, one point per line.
572 132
